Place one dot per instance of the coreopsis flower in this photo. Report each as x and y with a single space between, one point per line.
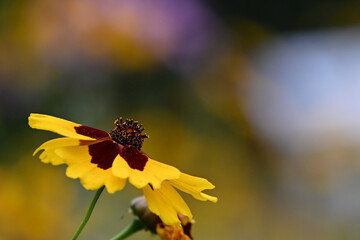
99 158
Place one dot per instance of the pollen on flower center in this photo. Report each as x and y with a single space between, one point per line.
128 132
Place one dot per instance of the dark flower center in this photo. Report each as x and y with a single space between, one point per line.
128 132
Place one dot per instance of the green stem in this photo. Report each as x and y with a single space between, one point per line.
133 227
88 214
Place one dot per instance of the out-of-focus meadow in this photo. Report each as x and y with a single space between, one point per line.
261 98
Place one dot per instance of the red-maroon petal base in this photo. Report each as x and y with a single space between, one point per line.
103 153
134 158
91 132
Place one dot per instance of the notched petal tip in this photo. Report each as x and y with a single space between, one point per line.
57 143
114 184
194 186
209 197
36 151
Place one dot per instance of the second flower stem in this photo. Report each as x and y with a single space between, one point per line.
88 213
133 227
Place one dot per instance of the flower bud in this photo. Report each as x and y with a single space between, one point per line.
140 209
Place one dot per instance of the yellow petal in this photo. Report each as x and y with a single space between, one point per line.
57 125
58 142
120 168
78 169
205 197
158 205
74 154
154 173
95 178
91 177
172 196
194 186
77 158
114 184
49 156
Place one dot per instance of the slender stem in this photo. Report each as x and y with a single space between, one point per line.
88 214
133 227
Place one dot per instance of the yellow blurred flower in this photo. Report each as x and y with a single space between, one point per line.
99 159
27 209
175 232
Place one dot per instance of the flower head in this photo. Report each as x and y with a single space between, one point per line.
99 159
175 232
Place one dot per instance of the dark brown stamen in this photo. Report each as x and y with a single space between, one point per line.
128 133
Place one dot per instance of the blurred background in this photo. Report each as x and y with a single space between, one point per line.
261 98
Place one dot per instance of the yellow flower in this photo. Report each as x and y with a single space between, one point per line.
99 158
175 232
